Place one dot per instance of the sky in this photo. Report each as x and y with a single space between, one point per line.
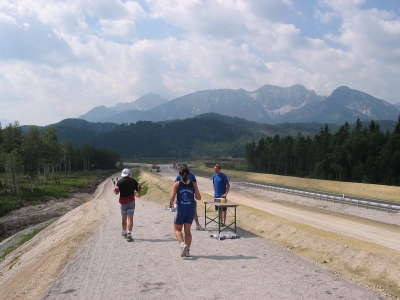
61 58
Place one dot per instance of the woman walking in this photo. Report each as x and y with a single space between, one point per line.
186 193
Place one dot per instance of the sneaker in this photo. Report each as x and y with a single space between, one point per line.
199 228
123 234
188 253
222 224
129 237
185 250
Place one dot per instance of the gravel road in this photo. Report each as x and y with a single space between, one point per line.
106 266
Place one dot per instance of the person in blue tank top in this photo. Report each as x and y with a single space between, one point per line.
193 179
185 193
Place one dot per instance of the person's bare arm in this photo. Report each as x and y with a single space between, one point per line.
228 186
139 193
197 194
174 191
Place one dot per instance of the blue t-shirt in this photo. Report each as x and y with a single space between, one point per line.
219 182
191 177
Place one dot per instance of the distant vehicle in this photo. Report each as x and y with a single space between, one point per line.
158 169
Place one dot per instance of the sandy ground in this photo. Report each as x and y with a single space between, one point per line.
83 255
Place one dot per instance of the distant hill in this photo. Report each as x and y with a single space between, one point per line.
279 101
102 113
344 104
266 105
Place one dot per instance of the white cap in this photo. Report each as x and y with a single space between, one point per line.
125 172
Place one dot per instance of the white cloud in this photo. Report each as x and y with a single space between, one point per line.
119 28
61 59
6 18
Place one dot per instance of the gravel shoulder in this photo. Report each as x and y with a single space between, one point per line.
82 255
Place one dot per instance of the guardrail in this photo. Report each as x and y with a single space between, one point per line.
335 199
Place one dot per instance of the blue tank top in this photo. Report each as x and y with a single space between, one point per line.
185 194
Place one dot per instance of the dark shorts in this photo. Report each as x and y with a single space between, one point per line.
195 204
222 208
184 214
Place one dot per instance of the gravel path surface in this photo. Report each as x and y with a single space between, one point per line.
106 266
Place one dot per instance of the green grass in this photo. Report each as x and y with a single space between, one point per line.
13 262
144 185
150 160
22 240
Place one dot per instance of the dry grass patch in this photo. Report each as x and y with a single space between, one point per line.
382 192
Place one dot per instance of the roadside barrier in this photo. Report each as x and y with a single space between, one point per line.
378 205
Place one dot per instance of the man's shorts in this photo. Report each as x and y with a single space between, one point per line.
128 209
223 208
184 214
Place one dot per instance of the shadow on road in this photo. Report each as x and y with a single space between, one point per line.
220 257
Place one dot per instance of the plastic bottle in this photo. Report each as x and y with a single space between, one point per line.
222 237
233 236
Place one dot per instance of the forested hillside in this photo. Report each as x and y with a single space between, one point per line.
207 135
39 155
181 138
362 154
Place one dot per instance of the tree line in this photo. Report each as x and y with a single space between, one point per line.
38 155
363 154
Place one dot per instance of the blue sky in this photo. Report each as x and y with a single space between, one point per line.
59 59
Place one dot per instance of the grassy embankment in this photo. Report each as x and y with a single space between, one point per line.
352 189
22 240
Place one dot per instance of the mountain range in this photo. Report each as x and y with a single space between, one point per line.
267 105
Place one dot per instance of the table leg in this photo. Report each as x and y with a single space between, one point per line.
205 215
235 219
219 220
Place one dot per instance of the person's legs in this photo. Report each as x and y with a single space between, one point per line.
224 216
188 234
130 212
178 232
188 240
124 222
196 218
127 212
129 222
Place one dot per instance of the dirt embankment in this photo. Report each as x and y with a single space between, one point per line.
38 262
31 215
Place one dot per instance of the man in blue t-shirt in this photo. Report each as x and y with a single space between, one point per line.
192 178
221 188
